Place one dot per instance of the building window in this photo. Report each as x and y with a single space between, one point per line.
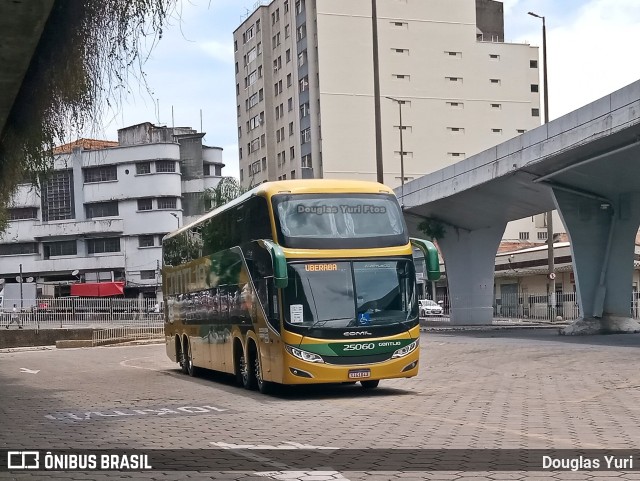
299 6
496 131
534 88
167 203
496 106
454 54
305 136
253 100
401 76
306 162
454 79
521 131
286 6
241 175
304 83
293 174
248 34
304 110
206 170
101 209
287 55
535 112
456 105
143 168
147 275
495 81
146 241
291 130
401 50
22 213
101 174
289 80
275 41
277 64
18 248
533 63
61 248
98 246
494 56
287 31
145 204
301 32
254 145
165 166
292 153
542 236
302 58
57 196
456 130
255 168
524 236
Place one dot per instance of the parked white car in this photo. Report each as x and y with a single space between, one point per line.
430 308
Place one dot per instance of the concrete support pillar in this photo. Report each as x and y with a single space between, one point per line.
469 258
602 235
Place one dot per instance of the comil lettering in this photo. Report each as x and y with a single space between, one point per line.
321 267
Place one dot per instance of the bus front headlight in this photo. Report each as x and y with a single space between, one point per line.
404 351
304 355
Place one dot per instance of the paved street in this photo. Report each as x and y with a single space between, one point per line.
507 389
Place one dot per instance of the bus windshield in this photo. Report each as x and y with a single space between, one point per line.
350 294
339 220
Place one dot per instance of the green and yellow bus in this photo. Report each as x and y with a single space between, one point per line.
296 282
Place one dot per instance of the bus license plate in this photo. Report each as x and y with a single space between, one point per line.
359 373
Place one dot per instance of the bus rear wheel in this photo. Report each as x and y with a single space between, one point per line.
191 369
370 384
247 374
265 387
183 356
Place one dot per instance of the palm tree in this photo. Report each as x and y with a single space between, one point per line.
227 189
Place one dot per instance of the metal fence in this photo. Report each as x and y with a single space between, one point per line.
526 306
117 335
82 312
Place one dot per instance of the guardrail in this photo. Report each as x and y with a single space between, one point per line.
82 312
117 335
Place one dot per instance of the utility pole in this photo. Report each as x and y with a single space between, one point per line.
21 302
376 93
549 215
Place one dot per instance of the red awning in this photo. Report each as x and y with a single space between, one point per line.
97 289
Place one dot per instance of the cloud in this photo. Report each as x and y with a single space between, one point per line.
593 55
221 51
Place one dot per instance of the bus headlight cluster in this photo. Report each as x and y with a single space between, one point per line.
408 349
304 355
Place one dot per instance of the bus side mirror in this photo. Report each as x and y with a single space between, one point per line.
430 257
279 263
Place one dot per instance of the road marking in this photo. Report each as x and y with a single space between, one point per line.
123 412
29 371
284 472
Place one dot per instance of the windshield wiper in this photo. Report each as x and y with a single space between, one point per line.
324 321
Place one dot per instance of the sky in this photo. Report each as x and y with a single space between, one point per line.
590 46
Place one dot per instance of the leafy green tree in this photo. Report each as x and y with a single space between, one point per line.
227 189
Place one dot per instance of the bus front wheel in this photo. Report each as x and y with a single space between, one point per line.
370 384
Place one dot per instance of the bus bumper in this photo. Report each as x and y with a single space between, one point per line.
297 371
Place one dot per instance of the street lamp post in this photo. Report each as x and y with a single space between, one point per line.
177 218
551 260
400 102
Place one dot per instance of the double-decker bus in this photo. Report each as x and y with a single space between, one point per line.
296 282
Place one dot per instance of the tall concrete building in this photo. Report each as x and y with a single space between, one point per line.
101 213
305 87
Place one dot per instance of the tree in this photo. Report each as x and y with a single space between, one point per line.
86 55
227 189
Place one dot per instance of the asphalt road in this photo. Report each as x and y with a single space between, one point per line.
482 390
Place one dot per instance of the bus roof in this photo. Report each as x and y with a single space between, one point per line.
298 186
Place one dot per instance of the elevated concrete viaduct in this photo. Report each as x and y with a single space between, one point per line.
586 165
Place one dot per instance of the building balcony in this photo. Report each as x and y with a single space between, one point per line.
42 231
34 265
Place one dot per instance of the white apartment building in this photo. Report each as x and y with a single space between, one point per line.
305 89
105 207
